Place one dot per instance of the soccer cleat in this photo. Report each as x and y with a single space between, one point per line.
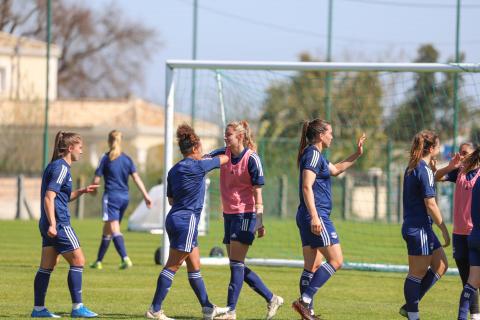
211 313
44 313
97 265
83 312
403 311
126 263
159 315
273 306
302 308
229 315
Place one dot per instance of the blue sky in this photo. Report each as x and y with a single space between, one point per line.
278 30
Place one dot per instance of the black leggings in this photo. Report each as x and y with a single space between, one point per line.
464 269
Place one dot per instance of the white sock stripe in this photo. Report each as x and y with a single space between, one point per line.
414 279
62 175
469 287
308 275
167 274
237 264
76 269
329 268
437 276
71 237
44 271
194 274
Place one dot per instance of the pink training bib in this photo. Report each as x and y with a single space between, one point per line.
236 185
462 205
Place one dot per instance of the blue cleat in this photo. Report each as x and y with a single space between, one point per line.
83 312
44 313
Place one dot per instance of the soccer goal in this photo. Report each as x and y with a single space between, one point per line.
390 102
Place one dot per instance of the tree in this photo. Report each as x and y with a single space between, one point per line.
103 54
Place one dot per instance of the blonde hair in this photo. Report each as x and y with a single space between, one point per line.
421 144
115 144
63 140
242 127
310 132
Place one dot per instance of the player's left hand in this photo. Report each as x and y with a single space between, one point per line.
360 143
261 232
148 201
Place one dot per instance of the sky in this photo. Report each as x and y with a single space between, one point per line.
279 30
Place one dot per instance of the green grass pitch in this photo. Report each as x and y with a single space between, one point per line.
126 294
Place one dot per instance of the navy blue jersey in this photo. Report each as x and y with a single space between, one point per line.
254 165
314 161
418 185
453 175
475 200
116 172
186 183
56 178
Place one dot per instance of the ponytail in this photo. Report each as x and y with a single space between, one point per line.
472 161
114 143
63 140
421 144
310 132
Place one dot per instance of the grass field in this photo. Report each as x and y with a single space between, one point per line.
126 294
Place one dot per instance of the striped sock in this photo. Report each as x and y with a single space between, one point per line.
411 290
198 286
304 282
40 285
254 281
466 298
164 283
75 283
428 281
237 274
103 247
119 243
320 277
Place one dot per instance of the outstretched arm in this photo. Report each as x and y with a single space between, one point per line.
453 164
338 168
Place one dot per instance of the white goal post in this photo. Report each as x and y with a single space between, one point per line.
170 85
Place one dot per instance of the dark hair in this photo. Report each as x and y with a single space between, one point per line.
471 161
63 140
310 132
187 139
421 144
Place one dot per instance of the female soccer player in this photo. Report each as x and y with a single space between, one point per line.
426 259
319 238
58 236
186 193
241 181
115 166
469 176
462 222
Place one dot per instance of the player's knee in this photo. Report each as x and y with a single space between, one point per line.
337 263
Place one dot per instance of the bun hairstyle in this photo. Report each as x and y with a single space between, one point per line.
310 132
63 140
472 161
242 127
421 144
115 144
187 139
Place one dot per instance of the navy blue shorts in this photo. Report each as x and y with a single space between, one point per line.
420 241
460 246
114 206
474 248
239 227
182 230
328 236
65 241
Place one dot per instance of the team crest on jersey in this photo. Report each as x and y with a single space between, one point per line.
70 179
333 235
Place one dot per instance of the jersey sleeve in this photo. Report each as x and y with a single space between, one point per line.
452 175
209 164
101 166
311 160
216 152
131 166
427 182
255 169
57 177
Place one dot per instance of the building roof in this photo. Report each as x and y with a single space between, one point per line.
11 44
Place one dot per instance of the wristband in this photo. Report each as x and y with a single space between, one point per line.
259 208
